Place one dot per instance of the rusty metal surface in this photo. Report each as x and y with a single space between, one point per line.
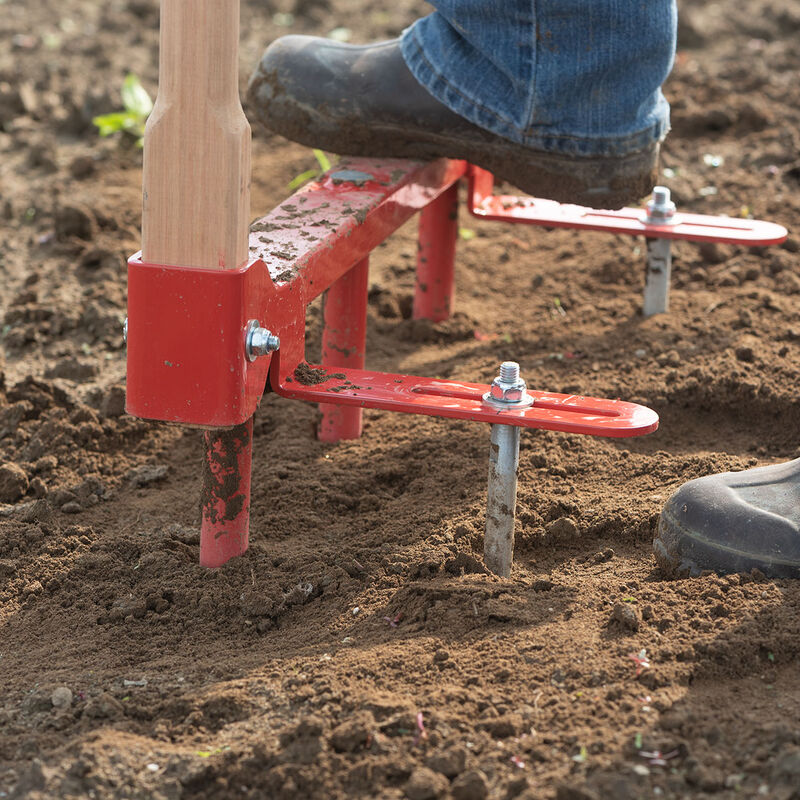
225 499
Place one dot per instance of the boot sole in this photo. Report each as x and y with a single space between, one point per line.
597 182
680 553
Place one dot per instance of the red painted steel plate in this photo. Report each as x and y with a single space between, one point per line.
549 213
186 343
316 235
443 398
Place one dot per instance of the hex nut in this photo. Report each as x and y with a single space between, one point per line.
507 393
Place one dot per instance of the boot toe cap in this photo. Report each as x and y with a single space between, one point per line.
711 524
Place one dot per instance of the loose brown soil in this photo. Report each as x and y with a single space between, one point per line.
362 612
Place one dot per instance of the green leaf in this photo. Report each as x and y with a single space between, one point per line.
135 97
299 180
111 123
581 757
323 160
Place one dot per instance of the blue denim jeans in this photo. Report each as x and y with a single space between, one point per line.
580 77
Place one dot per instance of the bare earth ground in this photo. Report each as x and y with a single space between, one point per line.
187 683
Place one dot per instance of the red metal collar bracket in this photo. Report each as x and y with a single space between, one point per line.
186 343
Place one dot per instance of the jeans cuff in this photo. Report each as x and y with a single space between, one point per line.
542 138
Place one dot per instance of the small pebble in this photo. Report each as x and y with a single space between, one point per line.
61 697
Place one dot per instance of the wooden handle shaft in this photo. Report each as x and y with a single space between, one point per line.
196 199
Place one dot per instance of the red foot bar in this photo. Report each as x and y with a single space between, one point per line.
548 213
457 400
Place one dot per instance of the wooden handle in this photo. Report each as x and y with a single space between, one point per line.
196 198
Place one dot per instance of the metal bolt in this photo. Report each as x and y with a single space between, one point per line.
125 331
508 388
259 341
508 391
509 371
660 211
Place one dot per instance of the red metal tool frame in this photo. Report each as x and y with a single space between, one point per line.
187 361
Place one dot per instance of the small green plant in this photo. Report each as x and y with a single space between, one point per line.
581 756
138 106
324 165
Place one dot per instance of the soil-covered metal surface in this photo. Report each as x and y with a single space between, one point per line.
359 649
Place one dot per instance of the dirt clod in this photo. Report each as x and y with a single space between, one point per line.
625 616
148 474
353 734
472 785
425 784
13 482
449 762
113 402
104 706
563 529
72 221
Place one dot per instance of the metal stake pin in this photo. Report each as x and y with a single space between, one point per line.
508 391
660 211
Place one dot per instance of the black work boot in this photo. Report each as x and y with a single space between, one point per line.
734 522
364 101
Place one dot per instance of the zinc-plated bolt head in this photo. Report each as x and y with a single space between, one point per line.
508 389
259 341
661 209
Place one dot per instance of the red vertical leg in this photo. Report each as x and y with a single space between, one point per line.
226 494
344 338
438 231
